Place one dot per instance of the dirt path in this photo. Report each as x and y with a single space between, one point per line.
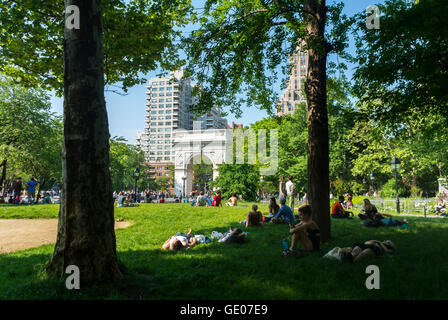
21 234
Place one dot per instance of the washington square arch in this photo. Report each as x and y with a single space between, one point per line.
217 146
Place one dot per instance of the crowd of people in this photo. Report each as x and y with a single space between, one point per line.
28 193
303 230
131 198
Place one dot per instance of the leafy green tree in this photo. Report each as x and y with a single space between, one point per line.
237 49
248 181
163 182
402 66
138 37
124 158
30 135
202 175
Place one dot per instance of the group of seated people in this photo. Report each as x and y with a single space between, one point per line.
125 200
306 233
374 218
203 201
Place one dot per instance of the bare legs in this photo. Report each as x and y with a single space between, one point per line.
304 240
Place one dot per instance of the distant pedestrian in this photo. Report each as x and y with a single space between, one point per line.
290 193
17 189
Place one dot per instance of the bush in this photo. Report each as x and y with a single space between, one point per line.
389 189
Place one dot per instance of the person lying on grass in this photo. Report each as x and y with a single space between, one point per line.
384 219
180 241
231 236
369 248
254 218
306 232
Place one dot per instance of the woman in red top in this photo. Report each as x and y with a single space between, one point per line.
217 200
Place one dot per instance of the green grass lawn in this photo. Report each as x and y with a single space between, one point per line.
253 270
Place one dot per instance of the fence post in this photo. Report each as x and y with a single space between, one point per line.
424 209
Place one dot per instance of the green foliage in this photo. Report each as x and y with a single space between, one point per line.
238 179
163 182
338 186
124 158
235 53
389 189
402 66
138 37
202 175
30 134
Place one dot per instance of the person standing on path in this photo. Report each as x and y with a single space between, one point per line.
290 193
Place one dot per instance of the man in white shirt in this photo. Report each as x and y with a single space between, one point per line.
290 193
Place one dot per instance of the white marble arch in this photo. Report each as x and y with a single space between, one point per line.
188 146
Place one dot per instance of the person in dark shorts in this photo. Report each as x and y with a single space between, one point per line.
368 248
307 232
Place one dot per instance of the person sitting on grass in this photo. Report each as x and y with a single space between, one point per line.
284 214
440 207
232 201
338 212
180 241
306 232
201 201
369 210
361 251
217 200
254 218
47 198
273 209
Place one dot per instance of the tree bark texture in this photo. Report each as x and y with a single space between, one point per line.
316 91
86 236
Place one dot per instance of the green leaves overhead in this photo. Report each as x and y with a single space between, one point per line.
403 66
30 135
139 36
236 53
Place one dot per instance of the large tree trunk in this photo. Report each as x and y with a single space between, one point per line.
86 236
316 91
3 174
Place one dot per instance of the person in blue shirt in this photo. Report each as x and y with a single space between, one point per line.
284 214
32 188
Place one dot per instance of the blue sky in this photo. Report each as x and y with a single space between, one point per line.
127 113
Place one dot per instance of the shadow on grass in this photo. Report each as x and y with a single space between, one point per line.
255 269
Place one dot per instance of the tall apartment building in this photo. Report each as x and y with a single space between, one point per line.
167 109
213 120
292 96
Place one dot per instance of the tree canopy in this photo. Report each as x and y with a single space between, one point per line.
139 36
